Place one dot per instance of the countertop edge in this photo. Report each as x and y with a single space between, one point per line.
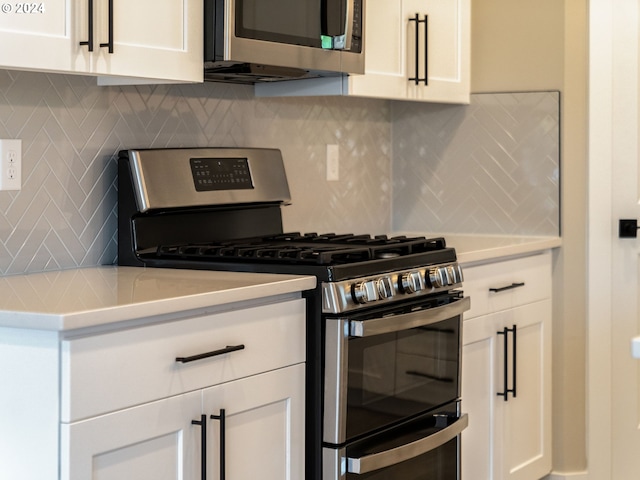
476 248
505 251
79 319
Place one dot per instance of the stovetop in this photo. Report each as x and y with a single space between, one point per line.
330 257
304 249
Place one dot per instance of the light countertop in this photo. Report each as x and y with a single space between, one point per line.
473 248
87 297
478 248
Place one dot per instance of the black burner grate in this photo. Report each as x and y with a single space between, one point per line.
308 248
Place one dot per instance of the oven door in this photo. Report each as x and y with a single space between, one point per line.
390 364
426 448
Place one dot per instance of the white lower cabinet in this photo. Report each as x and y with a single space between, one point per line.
263 426
263 432
153 441
508 350
127 401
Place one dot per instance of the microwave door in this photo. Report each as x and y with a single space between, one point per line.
292 22
282 33
337 22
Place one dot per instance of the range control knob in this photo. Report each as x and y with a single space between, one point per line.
455 273
437 277
365 292
385 287
410 282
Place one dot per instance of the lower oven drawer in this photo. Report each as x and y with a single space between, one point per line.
427 448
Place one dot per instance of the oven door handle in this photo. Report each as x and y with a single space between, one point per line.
420 318
377 461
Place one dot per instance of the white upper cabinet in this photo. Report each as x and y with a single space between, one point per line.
150 40
37 35
414 50
157 40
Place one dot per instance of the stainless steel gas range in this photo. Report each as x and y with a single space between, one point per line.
383 326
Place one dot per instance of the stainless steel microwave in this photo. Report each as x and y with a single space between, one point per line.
249 41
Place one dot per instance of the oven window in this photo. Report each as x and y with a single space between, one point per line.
282 21
397 375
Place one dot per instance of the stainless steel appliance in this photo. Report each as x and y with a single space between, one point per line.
383 326
248 41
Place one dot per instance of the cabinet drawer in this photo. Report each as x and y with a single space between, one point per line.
501 285
111 371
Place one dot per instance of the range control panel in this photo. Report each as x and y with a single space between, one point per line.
221 174
350 295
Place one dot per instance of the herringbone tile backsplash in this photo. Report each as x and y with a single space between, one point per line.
65 214
71 131
491 167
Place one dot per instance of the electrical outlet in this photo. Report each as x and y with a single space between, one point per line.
333 163
10 164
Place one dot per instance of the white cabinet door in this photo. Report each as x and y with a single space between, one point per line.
421 40
480 453
37 35
264 426
155 441
446 64
385 60
507 440
527 416
399 50
151 39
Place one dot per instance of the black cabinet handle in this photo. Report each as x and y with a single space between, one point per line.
222 351
417 78
89 42
507 390
203 445
222 419
110 42
508 287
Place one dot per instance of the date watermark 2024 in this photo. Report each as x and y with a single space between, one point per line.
22 8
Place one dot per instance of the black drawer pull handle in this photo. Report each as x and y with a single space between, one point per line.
215 353
203 445
514 372
89 42
508 287
222 418
417 78
109 43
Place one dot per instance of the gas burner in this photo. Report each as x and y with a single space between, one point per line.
308 248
